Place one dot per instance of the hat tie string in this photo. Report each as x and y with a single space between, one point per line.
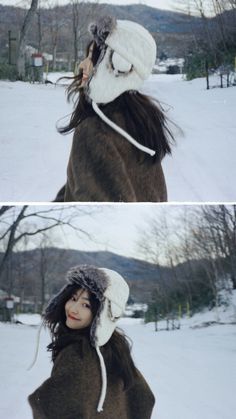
104 380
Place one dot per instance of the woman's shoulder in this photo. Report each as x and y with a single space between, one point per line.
76 352
140 393
93 124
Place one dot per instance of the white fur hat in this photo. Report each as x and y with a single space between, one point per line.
116 296
110 289
129 54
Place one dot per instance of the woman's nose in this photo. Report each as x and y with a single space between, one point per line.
84 64
75 308
81 65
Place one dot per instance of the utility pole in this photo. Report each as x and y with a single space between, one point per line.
12 47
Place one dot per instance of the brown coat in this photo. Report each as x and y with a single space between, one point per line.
73 390
105 167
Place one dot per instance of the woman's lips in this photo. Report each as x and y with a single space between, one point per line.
73 318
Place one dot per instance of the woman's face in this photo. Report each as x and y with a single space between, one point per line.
86 66
78 310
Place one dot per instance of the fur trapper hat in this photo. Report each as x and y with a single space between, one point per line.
111 290
128 54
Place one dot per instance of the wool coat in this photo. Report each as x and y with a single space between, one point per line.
104 167
73 390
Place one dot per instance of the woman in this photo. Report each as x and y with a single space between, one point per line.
120 135
93 375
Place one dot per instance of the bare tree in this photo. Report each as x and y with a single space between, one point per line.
220 222
212 240
39 26
21 268
43 266
22 41
55 25
203 243
157 244
13 226
216 36
47 262
82 12
200 253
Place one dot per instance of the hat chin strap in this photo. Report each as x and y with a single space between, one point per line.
104 380
121 131
37 346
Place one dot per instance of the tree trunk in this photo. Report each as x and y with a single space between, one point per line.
40 35
22 41
11 240
54 58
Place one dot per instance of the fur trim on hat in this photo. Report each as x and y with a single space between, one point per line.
102 28
95 281
128 53
90 278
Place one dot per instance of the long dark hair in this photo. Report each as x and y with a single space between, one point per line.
144 116
116 352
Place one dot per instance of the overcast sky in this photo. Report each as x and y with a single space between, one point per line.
115 227
161 4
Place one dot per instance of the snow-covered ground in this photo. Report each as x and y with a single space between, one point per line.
192 371
33 156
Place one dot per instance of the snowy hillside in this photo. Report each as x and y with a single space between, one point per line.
192 371
34 156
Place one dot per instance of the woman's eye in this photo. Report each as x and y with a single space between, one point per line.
73 298
87 305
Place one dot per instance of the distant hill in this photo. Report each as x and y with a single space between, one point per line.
28 270
174 32
155 20
171 29
27 267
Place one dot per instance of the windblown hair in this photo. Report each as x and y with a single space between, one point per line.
116 352
74 88
144 117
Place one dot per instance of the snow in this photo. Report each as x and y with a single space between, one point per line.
31 320
34 156
192 371
202 166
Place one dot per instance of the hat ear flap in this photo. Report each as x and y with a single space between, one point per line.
104 324
115 311
120 64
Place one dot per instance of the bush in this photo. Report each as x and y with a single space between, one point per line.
138 314
195 66
173 69
196 61
8 72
